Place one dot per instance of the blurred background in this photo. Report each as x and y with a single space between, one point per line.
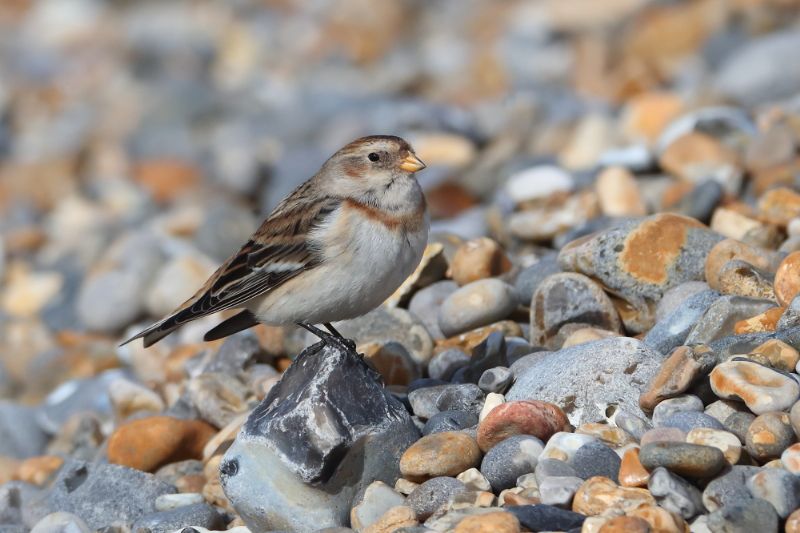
142 141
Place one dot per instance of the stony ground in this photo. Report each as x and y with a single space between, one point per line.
602 337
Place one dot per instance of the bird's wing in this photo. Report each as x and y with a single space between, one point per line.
277 252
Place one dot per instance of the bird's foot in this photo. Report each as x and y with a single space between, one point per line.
350 343
330 338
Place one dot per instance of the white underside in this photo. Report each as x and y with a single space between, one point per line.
364 263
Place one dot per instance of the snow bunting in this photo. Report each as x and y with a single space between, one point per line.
334 249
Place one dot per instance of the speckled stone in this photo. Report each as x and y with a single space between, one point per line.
511 458
429 496
739 423
596 459
683 459
769 435
728 488
689 420
748 515
497 380
449 421
560 490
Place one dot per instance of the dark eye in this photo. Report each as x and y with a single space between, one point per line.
373 157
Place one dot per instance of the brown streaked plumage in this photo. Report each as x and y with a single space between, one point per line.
329 251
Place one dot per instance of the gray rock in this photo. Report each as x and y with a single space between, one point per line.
509 459
432 494
237 353
722 315
769 62
444 364
738 424
76 396
671 331
423 400
745 517
569 298
383 325
19 438
596 459
559 491
449 421
323 433
476 304
546 518
198 514
607 372
729 488
488 354
425 304
61 522
529 279
101 494
632 424
682 458
667 408
726 123
464 397
218 397
675 494
519 366
14 497
496 380
678 296
778 487
791 317
546 468
689 420
702 201
373 503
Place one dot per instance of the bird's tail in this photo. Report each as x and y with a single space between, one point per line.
159 330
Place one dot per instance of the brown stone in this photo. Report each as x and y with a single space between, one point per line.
524 417
730 249
392 520
149 443
677 373
440 454
793 522
631 471
8 466
736 225
766 321
599 494
499 522
37 470
166 179
647 114
392 361
467 341
625 524
618 193
743 279
694 156
660 520
584 335
779 206
787 279
779 354
478 259
610 435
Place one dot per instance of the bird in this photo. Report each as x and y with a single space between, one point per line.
334 249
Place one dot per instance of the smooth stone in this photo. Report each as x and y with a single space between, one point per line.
538 182
613 371
500 522
677 373
663 435
167 502
197 515
631 471
546 517
702 201
511 458
478 259
794 418
725 441
769 435
61 522
688 421
377 499
444 364
790 458
739 424
497 380
728 488
19 437
560 490
678 404
632 424
449 421
546 468
746 516
440 454
530 277
760 388
675 494
564 445
432 494
683 459
677 296
529 417
569 298
600 495
778 487
324 432
425 304
491 353
671 331
219 398
476 304
463 397
474 480
722 315
596 459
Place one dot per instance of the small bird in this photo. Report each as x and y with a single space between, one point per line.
334 249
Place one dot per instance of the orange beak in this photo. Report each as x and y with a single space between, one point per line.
411 163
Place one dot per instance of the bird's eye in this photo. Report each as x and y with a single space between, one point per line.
373 156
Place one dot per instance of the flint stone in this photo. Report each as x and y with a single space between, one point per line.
449 421
607 372
675 494
672 330
546 517
729 488
101 494
323 433
529 279
721 316
490 353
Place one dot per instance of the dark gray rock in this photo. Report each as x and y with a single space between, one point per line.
101 494
529 279
324 433
688 420
738 424
675 494
702 201
238 352
729 488
449 421
432 494
423 399
464 397
682 458
198 514
745 516
444 364
596 459
496 380
671 331
489 354
20 437
553 468
599 374
546 517
509 459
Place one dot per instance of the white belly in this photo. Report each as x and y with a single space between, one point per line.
364 264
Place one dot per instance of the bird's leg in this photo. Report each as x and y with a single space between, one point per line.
323 336
328 338
350 343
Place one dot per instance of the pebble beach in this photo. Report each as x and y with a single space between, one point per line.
603 335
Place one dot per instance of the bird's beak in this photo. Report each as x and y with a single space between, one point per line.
411 163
